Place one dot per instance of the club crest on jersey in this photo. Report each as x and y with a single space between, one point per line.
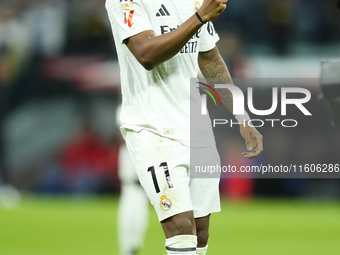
165 203
127 5
197 5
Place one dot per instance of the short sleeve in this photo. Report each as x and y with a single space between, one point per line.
209 37
127 18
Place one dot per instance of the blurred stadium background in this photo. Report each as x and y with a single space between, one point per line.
59 140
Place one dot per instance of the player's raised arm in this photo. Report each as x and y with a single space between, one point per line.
151 50
215 70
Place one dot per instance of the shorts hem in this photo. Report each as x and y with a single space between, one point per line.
201 215
173 214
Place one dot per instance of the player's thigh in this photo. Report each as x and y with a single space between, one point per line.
204 190
162 168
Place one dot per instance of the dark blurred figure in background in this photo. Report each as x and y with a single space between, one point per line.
10 61
11 58
231 48
85 165
280 15
88 29
89 164
29 31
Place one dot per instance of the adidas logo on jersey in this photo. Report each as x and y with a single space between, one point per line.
162 11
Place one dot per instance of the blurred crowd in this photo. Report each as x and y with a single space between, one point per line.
279 23
32 33
35 32
35 29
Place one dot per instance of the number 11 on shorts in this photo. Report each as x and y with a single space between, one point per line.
166 173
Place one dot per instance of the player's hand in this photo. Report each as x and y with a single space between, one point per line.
254 141
211 9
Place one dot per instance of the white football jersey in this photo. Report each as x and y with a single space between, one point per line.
159 100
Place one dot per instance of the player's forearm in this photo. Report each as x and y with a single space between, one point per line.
151 50
215 70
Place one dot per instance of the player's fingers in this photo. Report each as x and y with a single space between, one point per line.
248 155
254 143
252 154
249 144
257 149
259 143
224 3
249 139
260 147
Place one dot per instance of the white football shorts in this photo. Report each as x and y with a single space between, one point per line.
162 167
